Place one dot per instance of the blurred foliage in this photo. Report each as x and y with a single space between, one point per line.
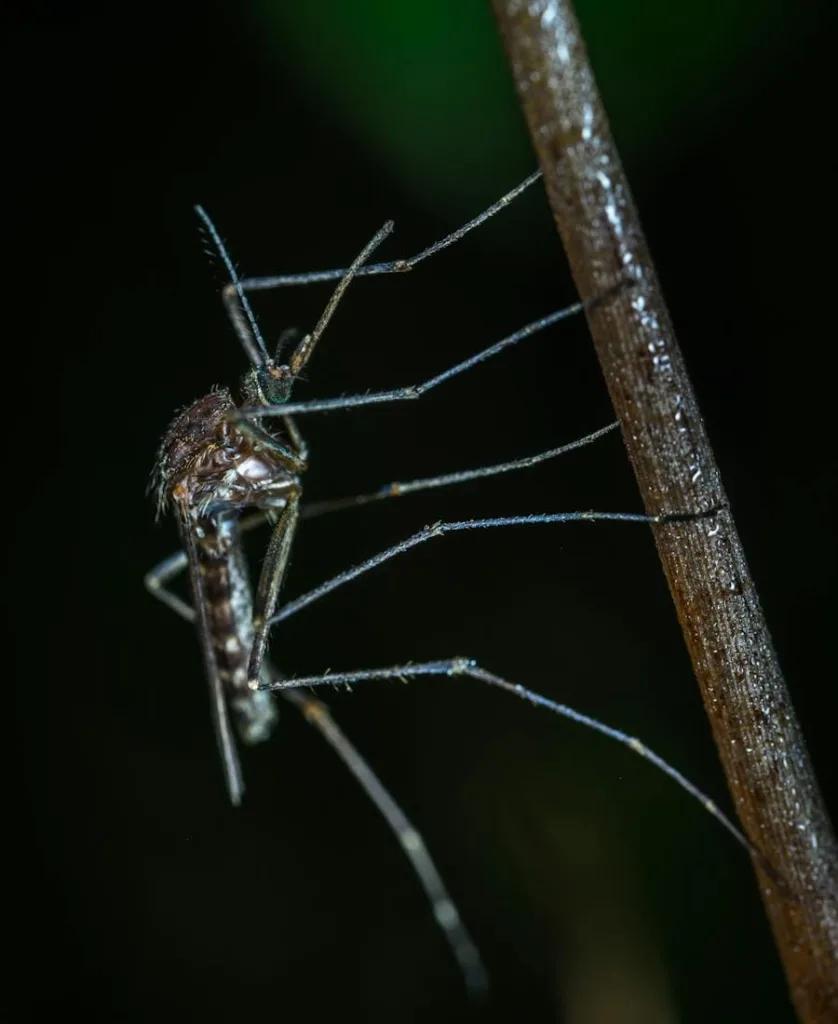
427 85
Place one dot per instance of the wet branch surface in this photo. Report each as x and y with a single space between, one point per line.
754 725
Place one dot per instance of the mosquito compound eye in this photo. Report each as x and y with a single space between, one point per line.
275 384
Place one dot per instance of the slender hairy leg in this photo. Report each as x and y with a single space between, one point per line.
399 489
444 910
253 284
297 439
468 667
441 528
161 573
270 582
413 391
410 840
157 578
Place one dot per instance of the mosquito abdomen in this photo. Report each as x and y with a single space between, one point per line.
229 609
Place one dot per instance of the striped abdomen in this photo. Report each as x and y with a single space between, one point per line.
225 588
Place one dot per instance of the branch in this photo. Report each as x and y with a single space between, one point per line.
753 722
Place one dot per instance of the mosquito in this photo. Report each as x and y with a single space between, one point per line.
223 472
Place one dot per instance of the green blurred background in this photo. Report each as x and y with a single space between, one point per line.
597 891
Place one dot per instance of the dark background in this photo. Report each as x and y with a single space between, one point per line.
596 889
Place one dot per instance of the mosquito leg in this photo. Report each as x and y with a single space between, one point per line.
157 578
270 582
444 910
290 457
415 390
441 528
297 439
467 667
318 715
252 284
276 560
398 489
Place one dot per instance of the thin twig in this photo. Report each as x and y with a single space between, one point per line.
753 722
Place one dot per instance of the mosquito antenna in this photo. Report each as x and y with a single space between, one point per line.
302 353
236 302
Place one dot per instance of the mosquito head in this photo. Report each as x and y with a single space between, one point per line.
267 383
271 383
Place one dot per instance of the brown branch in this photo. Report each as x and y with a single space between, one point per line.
753 722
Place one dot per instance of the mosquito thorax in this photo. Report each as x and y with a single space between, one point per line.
267 385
